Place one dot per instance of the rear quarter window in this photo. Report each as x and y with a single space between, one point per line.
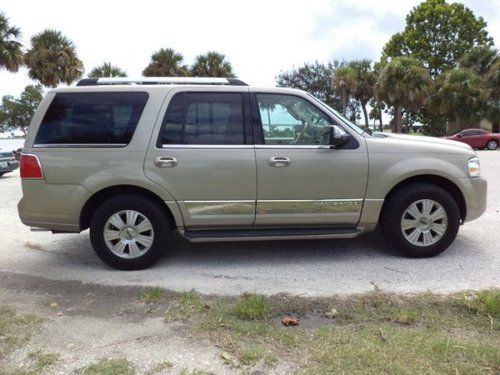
92 118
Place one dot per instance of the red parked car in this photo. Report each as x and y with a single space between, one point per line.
477 138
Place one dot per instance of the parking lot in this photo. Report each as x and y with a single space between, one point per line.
320 267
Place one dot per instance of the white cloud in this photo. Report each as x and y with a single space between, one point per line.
259 37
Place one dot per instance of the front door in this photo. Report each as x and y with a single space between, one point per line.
205 159
300 180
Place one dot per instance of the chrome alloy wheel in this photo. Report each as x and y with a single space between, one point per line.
424 222
128 234
492 145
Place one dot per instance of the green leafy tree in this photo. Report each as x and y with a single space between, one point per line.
16 113
106 70
403 84
166 62
11 53
212 64
460 96
52 59
438 34
316 78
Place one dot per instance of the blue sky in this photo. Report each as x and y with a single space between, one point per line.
259 37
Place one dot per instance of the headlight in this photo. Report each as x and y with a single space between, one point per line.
473 166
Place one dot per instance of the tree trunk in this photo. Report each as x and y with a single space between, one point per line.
363 106
494 126
397 128
344 102
455 126
381 123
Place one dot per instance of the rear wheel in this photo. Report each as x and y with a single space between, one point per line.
492 144
129 232
420 220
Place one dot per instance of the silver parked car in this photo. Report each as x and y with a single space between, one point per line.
8 162
217 160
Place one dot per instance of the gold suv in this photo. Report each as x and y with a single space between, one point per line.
217 160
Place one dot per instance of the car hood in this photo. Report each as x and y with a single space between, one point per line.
422 143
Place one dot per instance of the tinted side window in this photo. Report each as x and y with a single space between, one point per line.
468 133
92 118
204 118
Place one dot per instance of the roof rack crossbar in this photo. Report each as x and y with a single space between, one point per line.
161 81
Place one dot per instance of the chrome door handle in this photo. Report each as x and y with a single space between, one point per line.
165 162
278 161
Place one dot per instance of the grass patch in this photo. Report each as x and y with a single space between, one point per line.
159 367
375 332
15 330
151 295
189 303
486 302
42 360
252 307
110 366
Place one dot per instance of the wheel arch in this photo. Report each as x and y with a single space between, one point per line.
100 196
436 180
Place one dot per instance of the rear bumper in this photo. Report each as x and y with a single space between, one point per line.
475 194
55 207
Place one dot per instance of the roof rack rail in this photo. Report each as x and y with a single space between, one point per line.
161 81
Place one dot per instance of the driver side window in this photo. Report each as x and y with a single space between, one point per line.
291 120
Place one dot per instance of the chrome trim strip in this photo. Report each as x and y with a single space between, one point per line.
207 146
222 208
307 147
79 145
309 206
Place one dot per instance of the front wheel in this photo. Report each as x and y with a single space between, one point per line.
129 232
420 220
492 145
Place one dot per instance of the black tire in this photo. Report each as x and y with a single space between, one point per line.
145 206
397 204
2 173
491 145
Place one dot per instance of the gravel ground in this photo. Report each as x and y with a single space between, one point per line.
320 267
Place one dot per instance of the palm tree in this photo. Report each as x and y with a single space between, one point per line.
342 82
480 59
166 62
52 59
403 83
11 53
212 64
459 95
106 70
362 83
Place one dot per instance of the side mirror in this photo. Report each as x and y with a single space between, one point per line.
460 135
337 140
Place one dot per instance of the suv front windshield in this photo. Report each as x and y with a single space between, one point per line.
340 117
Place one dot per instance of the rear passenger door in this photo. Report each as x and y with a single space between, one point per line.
202 153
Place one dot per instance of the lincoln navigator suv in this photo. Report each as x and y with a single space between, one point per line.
217 160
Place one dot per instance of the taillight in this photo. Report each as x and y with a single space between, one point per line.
30 166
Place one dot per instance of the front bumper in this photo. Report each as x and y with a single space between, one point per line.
475 194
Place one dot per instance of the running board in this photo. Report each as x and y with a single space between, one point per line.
263 234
